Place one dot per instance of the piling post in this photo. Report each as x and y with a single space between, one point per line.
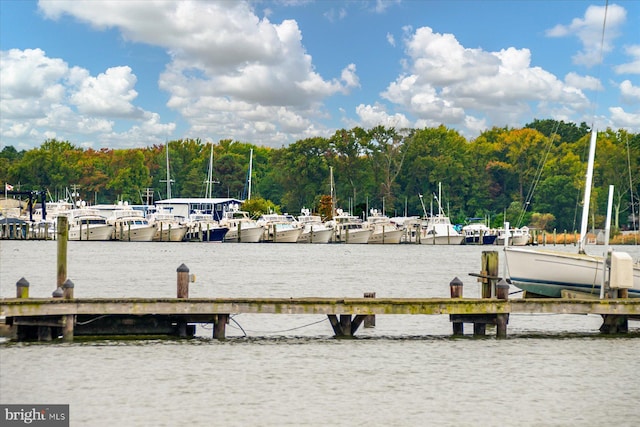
370 320
63 237
22 288
183 281
68 320
502 319
182 292
455 288
219 326
490 272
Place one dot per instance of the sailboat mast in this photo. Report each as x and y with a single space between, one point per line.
250 173
587 191
333 207
208 188
168 180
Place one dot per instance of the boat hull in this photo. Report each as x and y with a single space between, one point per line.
548 273
387 237
441 240
207 234
246 235
134 234
289 235
320 235
95 233
353 236
170 233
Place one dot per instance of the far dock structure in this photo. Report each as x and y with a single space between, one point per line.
65 316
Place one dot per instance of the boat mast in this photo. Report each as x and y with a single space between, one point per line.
250 171
333 206
168 180
587 192
209 187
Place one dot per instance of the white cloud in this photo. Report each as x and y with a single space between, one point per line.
622 119
589 30
583 82
44 98
446 83
391 40
375 115
630 93
632 67
226 61
109 94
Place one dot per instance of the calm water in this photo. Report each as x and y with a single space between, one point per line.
288 370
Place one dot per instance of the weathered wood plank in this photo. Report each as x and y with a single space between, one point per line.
11 307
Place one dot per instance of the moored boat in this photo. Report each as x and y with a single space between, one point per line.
313 229
87 224
349 229
242 228
384 231
478 233
169 227
548 273
279 228
203 228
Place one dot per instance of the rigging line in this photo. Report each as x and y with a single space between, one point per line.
538 175
604 26
633 209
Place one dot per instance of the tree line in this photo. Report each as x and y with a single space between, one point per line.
528 176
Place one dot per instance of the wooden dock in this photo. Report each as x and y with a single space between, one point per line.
64 316
165 316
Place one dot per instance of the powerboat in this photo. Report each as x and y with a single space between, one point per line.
313 229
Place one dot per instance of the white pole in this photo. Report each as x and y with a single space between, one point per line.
507 233
250 171
607 229
587 191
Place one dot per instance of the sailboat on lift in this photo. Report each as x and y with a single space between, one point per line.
548 273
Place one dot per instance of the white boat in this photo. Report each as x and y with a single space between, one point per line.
130 225
169 227
478 233
548 273
313 229
517 236
242 228
349 229
87 224
437 229
384 231
203 228
279 228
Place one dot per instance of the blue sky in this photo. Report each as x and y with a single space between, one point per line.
122 74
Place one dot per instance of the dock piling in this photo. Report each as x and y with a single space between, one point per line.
370 320
63 236
68 320
22 288
502 319
455 288
182 292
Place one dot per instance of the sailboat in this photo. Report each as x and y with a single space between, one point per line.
548 273
438 230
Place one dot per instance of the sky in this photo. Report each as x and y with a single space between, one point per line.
125 74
